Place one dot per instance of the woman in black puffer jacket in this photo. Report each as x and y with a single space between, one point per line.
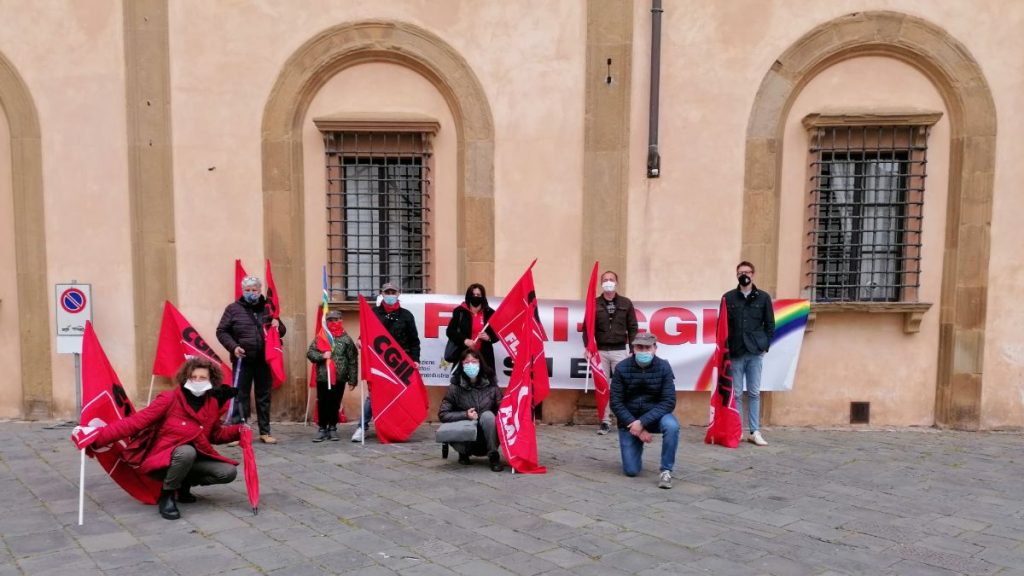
473 395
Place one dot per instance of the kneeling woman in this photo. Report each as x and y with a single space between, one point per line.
473 395
187 423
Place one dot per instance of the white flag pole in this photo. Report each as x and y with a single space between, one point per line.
586 383
362 410
309 396
150 397
81 490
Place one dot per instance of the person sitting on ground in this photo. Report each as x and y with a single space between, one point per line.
188 424
473 395
345 356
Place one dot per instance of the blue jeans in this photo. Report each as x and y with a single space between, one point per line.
746 369
633 449
367 415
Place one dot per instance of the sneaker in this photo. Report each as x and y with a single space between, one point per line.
604 429
757 439
665 480
268 439
332 434
232 444
358 435
321 435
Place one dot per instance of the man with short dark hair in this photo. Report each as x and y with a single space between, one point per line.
615 327
643 396
751 329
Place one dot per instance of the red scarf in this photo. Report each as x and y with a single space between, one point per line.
390 309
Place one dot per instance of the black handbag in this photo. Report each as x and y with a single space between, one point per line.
451 352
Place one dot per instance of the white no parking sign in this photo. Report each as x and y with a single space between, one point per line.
74 309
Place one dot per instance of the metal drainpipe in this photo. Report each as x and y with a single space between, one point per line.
653 157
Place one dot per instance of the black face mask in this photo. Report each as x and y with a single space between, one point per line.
475 300
744 280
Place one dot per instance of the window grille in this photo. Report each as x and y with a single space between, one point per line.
378 203
867 199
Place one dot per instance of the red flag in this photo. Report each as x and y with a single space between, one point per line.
104 401
726 426
239 275
178 342
601 389
274 351
272 300
397 394
518 303
515 413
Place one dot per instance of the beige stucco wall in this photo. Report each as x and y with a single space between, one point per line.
686 225
76 78
863 357
10 341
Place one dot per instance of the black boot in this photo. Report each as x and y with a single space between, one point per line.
167 506
495 459
185 494
464 458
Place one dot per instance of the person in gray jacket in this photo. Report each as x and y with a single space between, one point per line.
474 395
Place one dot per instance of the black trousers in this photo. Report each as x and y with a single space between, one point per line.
250 371
328 403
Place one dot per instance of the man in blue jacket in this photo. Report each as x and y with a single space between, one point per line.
643 396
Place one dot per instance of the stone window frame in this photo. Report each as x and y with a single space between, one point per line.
913 311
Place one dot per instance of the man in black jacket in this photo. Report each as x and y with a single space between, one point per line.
615 327
401 324
751 328
242 330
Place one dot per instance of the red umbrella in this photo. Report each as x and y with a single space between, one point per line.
252 476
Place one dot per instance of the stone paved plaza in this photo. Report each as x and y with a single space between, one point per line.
902 502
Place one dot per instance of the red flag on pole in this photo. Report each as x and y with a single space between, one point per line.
274 348
516 429
397 393
104 401
239 275
601 388
518 303
178 342
726 426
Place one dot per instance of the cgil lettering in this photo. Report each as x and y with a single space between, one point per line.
393 358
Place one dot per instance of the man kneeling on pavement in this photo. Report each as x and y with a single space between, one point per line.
643 396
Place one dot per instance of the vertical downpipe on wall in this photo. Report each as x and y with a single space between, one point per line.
653 157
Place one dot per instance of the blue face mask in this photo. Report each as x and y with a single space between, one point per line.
472 370
390 299
251 297
644 358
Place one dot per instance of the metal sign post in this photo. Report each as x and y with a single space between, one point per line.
74 309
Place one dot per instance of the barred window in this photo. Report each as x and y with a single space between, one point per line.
378 205
865 211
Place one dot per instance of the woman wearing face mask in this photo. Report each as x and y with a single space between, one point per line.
467 329
242 330
186 424
331 387
473 395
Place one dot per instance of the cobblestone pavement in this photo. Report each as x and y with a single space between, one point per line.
813 502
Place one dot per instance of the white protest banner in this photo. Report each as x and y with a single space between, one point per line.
685 331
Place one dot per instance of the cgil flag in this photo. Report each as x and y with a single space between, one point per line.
725 425
601 388
104 401
397 393
274 348
178 342
519 305
516 428
240 274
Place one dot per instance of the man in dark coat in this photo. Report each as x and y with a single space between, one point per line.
615 327
401 324
242 330
751 329
643 396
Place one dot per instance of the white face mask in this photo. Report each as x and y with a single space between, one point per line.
198 387
608 286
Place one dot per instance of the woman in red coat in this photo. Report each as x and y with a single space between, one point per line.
186 424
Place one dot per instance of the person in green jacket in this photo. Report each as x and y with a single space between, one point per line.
329 392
